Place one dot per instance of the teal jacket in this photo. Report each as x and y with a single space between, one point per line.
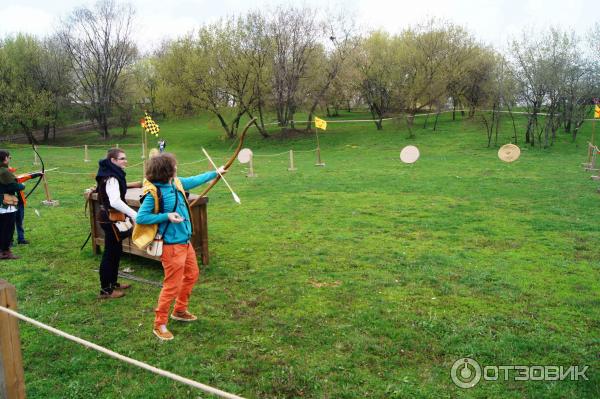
177 233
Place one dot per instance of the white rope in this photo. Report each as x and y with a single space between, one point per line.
126 359
133 166
189 163
272 155
515 112
75 173
404 116
58 146
313 150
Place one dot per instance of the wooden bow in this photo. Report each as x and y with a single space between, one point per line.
228 163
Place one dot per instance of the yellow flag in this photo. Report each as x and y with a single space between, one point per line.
150 126
597 112
320 123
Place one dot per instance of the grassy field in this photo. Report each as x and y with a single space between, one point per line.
366 278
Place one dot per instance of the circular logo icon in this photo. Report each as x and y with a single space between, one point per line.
465 373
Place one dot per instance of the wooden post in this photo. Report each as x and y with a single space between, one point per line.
12 380
117 146
144 152
251 168
85 154
589 157
49 201
319 162
291 161
36 160
592 165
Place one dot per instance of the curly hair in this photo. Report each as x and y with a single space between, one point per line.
161 168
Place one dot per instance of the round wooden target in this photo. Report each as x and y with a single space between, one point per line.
509 152
409 154
245 155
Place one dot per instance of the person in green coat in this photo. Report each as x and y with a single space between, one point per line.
9 189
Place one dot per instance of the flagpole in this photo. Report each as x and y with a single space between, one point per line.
596 116
144 152
319 162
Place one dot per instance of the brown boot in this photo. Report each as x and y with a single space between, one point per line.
8 255
113 295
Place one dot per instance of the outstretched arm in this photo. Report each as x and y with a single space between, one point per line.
194 181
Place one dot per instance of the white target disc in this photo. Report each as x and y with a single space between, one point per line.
509 152
409 154
245 155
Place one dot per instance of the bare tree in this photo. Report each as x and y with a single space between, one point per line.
100 46
257 50
582 83
293 32
341 42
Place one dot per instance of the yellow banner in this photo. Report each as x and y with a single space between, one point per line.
597 112
150 126
320 123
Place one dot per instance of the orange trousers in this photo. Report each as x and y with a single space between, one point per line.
181 273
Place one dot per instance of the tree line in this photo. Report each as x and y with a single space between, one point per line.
276 65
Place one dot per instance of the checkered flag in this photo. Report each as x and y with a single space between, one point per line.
150 126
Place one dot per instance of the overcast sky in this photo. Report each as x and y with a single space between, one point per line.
490 21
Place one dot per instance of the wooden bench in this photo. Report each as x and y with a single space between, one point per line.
199 220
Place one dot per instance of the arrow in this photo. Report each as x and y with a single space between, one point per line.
235 196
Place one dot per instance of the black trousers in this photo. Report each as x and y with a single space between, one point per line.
111 257
20 217
7 229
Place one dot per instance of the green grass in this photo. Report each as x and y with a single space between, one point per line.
365 278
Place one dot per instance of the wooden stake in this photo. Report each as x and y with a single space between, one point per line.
36 159
319 162
251 168
589 157
144 152
49 201
291 168
12 380
85 154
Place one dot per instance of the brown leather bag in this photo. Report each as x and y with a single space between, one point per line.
10 199
116 216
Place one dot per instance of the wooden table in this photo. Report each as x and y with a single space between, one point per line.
199 220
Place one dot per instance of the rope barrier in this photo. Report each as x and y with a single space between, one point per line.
296 151
189 163
126 359
272 155
75 173
133 166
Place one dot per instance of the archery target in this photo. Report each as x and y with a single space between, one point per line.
245 155
509 152
409 154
